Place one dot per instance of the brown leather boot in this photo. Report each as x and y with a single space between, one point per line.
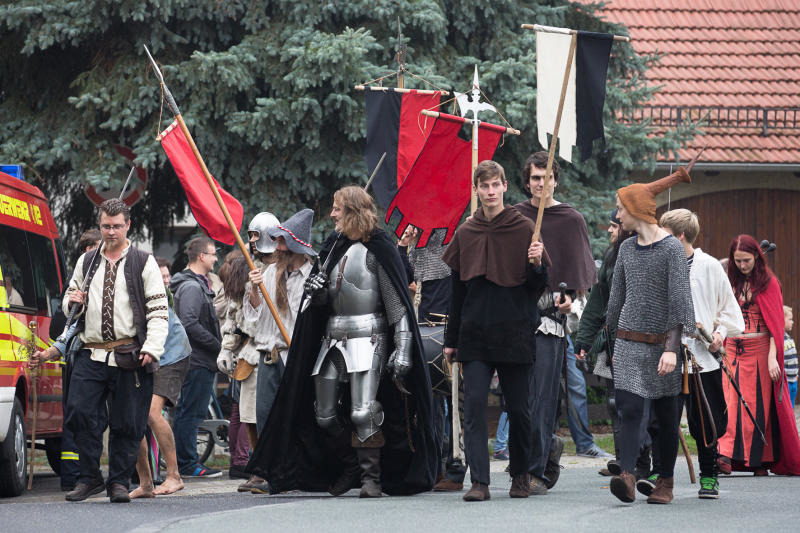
623 487
478 493
448 485
351 471
369 460
520 486
663 491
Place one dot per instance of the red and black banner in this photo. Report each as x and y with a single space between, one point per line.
395 126
439 186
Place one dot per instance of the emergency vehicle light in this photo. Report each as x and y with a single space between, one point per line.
13 170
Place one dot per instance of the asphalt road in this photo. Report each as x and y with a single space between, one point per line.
580 502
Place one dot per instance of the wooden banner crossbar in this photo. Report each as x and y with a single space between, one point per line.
445 116
566 31
399 90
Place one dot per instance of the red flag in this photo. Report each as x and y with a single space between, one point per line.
201 199
438 188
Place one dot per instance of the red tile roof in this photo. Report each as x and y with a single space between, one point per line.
731 53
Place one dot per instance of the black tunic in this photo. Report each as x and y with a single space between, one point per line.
495 324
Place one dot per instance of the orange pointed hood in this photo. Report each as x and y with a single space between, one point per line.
640 198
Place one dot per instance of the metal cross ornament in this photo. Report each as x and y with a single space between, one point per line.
471 101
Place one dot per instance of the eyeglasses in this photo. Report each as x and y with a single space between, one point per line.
214 253
109 227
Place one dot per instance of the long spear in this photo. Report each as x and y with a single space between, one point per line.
179 118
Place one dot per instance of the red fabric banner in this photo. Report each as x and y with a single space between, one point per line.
438 188
204 206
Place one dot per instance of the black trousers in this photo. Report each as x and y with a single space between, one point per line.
514 380
712 385
631 408
452 468
129 393
543 403
70 468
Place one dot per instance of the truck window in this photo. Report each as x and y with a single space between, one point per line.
16 269
45 273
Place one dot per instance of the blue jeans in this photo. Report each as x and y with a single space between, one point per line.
191 411
576 385
501 440
793 392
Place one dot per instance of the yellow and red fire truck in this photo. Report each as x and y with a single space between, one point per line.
32 279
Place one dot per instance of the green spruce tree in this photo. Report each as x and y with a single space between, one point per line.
266 89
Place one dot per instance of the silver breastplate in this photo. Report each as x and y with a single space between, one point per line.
353 289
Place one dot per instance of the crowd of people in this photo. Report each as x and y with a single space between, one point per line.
330 379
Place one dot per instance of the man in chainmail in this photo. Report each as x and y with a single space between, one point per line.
649 308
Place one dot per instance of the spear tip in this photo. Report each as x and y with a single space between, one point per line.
155 66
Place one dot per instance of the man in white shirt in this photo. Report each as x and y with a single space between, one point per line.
284 281
716 309
125 313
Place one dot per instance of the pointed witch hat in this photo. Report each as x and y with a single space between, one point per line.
296 232
640 198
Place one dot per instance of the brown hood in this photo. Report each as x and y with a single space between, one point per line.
497 248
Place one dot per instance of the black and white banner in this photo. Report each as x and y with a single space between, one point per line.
582 116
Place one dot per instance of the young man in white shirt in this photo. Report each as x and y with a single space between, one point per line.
716 309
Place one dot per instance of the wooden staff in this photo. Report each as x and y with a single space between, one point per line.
689 462
176 112
35 385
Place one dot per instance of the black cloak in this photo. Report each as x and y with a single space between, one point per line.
292 450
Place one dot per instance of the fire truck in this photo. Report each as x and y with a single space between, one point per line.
32 279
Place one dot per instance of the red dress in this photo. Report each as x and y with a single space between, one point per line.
768 401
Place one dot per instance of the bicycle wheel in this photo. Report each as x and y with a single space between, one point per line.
205 445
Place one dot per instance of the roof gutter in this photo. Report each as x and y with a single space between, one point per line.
745 167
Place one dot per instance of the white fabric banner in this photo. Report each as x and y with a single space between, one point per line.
552 50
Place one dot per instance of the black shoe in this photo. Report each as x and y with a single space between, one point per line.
84 490
66 487
118 493
238 472
552 469
647 485
614 467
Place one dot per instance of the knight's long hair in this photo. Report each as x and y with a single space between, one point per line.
359 216
761 274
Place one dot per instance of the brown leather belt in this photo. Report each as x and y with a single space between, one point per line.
647 338
107 346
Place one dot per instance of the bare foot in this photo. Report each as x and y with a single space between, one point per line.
142 492
169 486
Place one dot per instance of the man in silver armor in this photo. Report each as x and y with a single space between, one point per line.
367 318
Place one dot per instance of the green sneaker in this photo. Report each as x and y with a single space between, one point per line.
647 485
709 488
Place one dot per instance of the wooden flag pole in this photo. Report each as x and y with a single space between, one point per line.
549 170
176 112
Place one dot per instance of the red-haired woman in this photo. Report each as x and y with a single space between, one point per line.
755 360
